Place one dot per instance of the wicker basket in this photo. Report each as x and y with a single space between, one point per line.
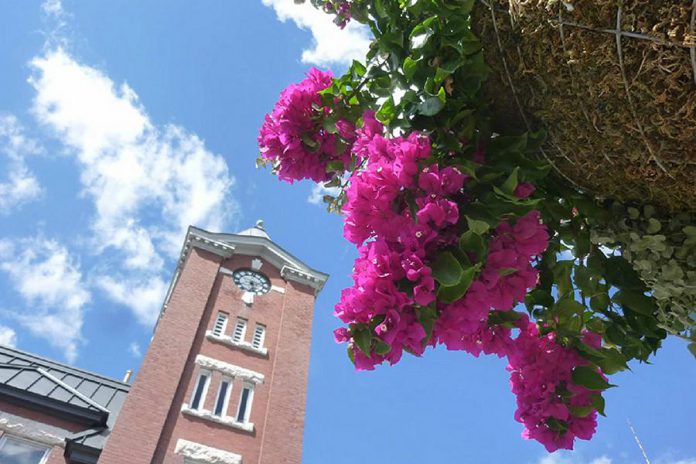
614 84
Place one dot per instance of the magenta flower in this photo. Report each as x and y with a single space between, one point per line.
292 136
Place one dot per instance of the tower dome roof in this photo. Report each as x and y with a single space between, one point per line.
256 231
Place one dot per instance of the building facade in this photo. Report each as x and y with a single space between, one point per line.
224 378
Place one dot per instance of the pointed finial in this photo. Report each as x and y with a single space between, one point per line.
259 224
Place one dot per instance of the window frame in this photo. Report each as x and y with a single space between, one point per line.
224 324
242 336
47 448
262 338
226 399
249 402
204 393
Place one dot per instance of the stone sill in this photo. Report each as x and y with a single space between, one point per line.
245 346
227 421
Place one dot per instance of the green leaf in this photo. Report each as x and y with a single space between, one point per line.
567 307
447 270
636 301
590 378
612 361
598 403
620 273
410 66
454 293
538 297
581 411
506 271
363 340
427 316
358 69
382 348
599 302
467 6
431 106
557 425
351 352
511 182
476 226
387 112
692 348
654 226
470 242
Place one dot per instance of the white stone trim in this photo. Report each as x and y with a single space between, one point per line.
229 369
205 454
256 264
277 289
28 429
302 277
223 420
242 345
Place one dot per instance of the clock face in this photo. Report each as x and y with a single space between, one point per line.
251 281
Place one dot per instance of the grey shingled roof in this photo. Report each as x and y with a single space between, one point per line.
65 384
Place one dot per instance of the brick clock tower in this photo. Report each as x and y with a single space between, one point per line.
224 379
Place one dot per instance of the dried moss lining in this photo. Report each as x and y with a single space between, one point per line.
621 113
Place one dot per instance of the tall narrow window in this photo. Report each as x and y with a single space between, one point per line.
200 391
220 324
259 335
17 451
245 404
223 398
239 330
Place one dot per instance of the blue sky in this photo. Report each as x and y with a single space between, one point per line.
123 122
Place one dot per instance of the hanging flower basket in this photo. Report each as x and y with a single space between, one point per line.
613 83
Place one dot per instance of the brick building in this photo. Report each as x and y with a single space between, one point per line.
223 381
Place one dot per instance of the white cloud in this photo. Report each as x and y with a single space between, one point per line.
53 8
331 45
50 282
8 336
570 458
316 196
20 185
148 183
144 296
671 460
134 349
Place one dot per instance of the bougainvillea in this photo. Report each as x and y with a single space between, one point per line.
292 136
459 229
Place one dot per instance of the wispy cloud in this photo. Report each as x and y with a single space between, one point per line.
134 349
330 45
148 183
571 458
50 282
19 185
8 337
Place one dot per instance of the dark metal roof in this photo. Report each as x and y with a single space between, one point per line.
87 397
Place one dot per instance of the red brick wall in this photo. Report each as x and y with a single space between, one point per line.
282 437
151 420
143 416
272 311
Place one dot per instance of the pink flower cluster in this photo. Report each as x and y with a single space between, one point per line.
402 211
391 275
503 282
553 409
293 138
